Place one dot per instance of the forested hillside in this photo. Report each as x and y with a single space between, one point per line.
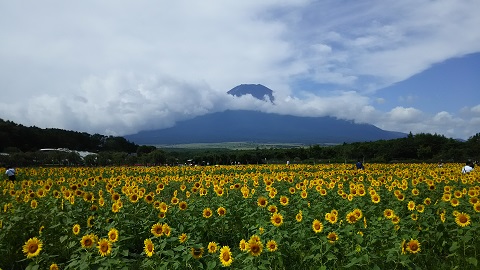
15 137
20 146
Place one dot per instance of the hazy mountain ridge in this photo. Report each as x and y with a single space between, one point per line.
254 126
259 127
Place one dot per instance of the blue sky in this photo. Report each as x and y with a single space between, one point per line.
118 67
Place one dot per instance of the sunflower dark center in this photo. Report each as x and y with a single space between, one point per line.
32 248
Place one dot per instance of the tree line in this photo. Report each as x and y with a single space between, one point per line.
20 146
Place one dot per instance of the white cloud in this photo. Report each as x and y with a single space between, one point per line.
118 67
404 115
476 109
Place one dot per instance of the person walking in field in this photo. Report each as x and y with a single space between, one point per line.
359 165
10 172
468 167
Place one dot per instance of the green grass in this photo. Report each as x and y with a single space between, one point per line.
231 145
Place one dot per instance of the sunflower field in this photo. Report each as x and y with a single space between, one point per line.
324 216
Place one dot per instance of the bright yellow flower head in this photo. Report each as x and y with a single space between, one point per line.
32 247
272 245
413 246
113 235
462 219
104 247
148 248
277 219
212 247
225 256
317 226
157 229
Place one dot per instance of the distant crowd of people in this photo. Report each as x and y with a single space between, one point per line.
469 166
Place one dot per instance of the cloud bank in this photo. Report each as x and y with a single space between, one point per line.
118 67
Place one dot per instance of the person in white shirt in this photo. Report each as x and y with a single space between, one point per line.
10 173
468 167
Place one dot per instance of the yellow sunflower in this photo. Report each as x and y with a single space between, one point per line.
115 197
255 247
299 216
183 237
262 201
113 235
32 247
90 221
221 211
388 213
163 207
351 217
207 212
166 229
331 217
212 247
225 256
76 229
395 219
115 208
358 213
276 219
375 198
33 204
442 217
427 201
243 245
104 247
413 246
403 247
284 200
462 219
272 208
411 205
272 245
54 266
197 253
332 237
182 205
149 198
317 226
88 241
476 207
454 202
157 229
148 247
219 192
473 200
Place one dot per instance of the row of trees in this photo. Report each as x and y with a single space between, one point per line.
413 148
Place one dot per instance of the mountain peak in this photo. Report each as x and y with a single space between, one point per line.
256 90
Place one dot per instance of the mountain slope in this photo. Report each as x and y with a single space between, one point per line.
253 126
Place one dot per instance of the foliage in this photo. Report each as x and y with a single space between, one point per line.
28 139
324 216
22 144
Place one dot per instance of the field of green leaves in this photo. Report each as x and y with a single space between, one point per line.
390 216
